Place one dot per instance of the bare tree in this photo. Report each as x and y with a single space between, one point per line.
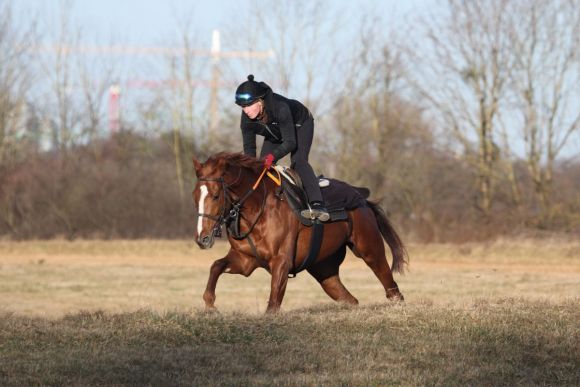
15 81
61 114
545 44
304 66
95 74
71 102
15 78
465 72
184 69
369 108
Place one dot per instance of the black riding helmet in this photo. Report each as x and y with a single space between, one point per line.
250 91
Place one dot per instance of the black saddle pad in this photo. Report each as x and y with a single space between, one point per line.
338 196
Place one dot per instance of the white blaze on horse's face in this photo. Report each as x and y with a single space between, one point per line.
200 208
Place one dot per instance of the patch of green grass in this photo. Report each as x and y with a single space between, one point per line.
487 342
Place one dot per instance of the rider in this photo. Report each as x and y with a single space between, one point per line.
287 127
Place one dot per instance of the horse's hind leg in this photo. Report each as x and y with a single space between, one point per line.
326 273
367 243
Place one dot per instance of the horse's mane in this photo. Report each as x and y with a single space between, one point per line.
239 159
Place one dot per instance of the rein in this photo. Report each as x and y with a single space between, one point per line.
235 212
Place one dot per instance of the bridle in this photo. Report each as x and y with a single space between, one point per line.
230 213
219 219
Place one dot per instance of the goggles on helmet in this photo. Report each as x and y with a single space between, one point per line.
245 99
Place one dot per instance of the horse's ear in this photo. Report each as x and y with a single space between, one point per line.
197 166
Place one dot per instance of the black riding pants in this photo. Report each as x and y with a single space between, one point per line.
299 159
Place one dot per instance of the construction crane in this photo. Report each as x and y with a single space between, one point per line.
216 55
115 90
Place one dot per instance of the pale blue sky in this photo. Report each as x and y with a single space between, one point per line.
154 23
148 22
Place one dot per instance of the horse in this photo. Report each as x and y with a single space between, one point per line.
270 236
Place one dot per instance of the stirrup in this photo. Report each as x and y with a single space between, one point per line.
312 214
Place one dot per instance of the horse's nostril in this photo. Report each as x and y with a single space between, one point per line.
205 240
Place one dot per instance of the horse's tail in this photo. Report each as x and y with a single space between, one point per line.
400 256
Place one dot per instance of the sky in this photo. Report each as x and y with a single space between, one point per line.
158 23
146 22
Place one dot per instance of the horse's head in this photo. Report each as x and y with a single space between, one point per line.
218 179
210 199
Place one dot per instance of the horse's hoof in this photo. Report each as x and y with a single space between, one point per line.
395 296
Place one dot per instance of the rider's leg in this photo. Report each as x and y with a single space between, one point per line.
304 136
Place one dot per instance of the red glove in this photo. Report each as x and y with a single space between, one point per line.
268 160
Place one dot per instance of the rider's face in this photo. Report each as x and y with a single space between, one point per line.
253 110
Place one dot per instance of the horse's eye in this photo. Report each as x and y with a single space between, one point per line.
216 197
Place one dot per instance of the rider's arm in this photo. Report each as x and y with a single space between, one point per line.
288 131
249 138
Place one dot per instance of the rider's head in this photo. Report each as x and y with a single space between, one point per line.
250 92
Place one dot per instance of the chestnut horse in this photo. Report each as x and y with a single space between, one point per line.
272 237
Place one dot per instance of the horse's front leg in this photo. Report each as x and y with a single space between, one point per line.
279 269
232 263
217 268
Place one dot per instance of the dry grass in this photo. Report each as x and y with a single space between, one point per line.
53 278
130 313
505 342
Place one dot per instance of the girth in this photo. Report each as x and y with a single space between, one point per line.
315 243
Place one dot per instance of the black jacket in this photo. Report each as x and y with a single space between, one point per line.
285 116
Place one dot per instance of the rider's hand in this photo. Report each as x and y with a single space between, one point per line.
268 160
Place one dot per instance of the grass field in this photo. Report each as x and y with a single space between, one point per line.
131 312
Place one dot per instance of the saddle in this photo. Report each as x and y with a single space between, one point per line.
339 197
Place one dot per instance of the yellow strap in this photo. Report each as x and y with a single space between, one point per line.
259 179
278 179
